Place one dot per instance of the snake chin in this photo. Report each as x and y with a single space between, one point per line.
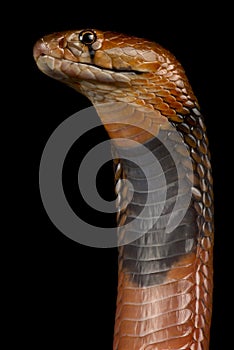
51 67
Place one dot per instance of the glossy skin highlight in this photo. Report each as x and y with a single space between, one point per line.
165 280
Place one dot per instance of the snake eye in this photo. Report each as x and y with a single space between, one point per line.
87 37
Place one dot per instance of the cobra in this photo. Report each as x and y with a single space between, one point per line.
143 97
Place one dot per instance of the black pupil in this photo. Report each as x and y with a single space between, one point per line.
87 38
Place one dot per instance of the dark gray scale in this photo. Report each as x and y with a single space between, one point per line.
163 250
148 258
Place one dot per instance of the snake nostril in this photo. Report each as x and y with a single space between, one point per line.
62 43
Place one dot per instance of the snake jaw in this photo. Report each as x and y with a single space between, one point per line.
75 72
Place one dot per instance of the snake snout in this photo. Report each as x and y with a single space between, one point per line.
40 49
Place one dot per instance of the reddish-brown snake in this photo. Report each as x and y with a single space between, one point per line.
165 278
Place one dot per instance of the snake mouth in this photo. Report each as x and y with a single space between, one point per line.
66 70
117 70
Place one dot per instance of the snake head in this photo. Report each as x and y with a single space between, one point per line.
81 56
107 51
110 68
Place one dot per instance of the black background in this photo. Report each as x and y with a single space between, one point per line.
69 290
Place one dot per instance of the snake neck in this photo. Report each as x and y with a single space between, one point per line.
165 236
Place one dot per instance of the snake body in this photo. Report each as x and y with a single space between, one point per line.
165 276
